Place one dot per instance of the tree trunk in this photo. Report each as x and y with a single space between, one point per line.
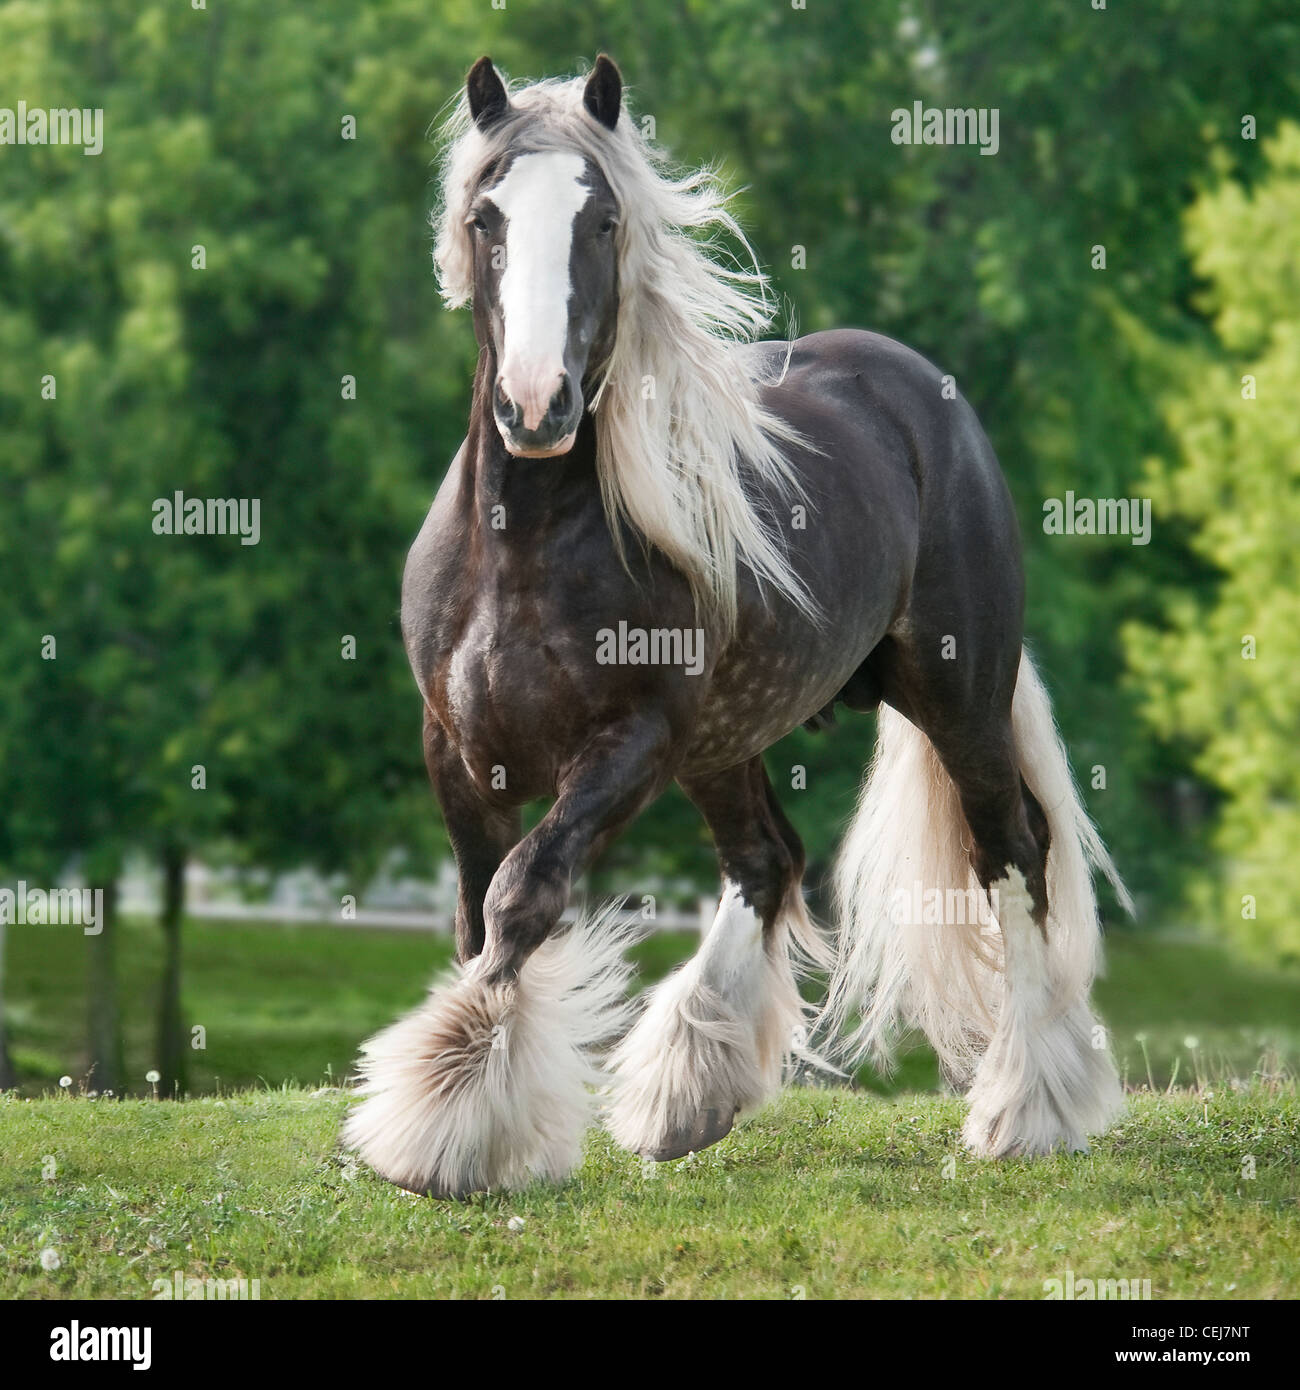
171 1029
8 1077
107 1057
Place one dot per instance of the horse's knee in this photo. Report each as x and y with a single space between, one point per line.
764 874
1015 837
522 906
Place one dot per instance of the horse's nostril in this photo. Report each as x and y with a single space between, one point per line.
558 409
507 411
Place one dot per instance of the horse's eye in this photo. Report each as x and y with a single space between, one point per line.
478 223
608 225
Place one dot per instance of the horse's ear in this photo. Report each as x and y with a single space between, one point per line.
487 93
603 96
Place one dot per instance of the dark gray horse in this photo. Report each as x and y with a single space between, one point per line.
658 550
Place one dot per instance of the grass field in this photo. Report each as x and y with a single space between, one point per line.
826 1193
291 1004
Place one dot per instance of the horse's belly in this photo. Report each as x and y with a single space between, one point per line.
754 701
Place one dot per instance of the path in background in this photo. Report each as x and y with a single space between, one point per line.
394 901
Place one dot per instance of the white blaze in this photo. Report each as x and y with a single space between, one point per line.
539 197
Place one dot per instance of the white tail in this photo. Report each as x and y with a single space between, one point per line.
1006 1012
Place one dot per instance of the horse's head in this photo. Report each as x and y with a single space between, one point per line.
543 223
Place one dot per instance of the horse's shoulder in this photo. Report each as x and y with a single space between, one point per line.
444 513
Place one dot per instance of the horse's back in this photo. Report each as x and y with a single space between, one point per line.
886 385
895 429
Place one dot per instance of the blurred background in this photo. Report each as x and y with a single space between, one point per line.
294 144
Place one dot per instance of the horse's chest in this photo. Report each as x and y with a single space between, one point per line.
512 694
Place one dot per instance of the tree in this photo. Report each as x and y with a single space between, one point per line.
235 300
188 316
1223 671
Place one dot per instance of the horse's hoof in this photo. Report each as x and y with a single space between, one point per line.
707 1128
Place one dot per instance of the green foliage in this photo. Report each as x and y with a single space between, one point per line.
223 132
1223 672
223 128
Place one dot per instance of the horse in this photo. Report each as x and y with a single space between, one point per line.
818 522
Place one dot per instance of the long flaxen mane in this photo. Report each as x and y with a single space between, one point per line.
678 417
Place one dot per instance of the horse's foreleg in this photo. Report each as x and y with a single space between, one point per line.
486 1084
716 1034
481 834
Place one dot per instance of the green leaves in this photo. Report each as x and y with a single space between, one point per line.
214 373
224 130
1223 670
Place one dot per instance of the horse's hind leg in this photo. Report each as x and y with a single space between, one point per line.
1006 1008
1046 1079
715 1035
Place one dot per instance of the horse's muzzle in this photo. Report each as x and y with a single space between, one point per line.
552 431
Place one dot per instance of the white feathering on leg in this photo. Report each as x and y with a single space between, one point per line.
1006 1011
1047 1080
718 1032
487 1086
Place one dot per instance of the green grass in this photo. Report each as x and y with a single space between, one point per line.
823 1194
291 1004
276 1003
